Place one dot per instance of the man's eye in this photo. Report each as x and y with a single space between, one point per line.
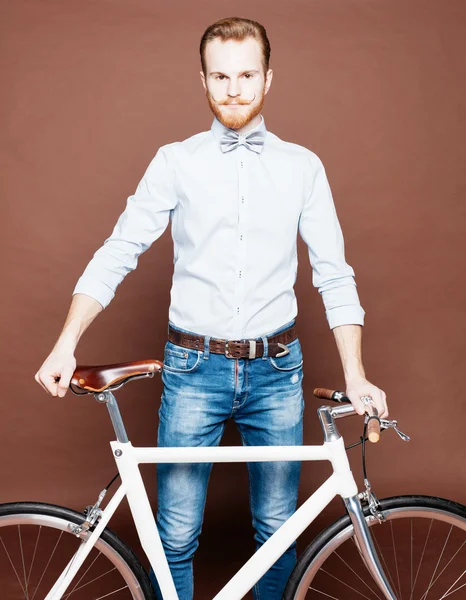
247 75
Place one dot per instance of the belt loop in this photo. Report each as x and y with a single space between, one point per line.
206 347
266 347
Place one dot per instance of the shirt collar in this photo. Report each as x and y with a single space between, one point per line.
218 128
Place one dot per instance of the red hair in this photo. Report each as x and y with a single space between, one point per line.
236 28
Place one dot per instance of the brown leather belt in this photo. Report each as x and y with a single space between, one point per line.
236 348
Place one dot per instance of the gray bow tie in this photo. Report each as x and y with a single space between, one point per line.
254 140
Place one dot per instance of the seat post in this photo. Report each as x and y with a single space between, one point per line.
112 405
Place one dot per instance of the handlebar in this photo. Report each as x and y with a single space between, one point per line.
373 421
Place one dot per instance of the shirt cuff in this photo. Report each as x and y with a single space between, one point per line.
345 315
95 288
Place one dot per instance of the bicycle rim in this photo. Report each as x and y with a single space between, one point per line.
36 544
421 546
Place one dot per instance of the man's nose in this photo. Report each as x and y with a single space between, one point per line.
234 88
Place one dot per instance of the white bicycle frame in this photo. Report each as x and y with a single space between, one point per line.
128 458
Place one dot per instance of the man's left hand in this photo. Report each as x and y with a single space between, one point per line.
361 387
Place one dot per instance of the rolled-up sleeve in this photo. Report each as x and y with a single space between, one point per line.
144 219
320 229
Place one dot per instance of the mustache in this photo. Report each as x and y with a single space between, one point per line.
235 102
227 102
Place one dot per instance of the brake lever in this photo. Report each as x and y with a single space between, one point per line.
387 424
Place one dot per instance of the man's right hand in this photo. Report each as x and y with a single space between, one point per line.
56 372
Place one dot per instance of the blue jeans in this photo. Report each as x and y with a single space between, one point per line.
264 397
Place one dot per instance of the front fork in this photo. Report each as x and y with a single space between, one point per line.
363 539
366 547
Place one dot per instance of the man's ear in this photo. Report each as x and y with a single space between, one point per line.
203 79
268 80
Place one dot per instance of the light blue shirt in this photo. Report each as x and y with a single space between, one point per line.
234 219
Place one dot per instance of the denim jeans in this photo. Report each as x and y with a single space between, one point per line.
264 397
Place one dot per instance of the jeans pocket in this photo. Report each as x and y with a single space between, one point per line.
291 361
181 360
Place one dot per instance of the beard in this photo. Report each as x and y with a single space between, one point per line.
238 117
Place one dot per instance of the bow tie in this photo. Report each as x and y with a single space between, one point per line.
254 140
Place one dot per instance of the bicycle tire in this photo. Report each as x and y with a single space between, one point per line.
28 532
327 550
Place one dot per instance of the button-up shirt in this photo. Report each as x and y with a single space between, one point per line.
234 219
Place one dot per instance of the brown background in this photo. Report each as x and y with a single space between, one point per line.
92 89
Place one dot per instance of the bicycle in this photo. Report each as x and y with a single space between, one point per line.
54 552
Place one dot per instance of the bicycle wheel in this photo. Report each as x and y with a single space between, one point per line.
36 544
421 546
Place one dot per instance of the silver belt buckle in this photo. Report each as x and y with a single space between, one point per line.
227 352
252 349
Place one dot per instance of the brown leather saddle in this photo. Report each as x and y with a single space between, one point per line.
101 378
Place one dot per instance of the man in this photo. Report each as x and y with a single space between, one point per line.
236 196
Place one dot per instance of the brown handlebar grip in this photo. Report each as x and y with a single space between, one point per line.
324 393
373 429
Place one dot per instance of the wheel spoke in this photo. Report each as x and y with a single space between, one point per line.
38 547
420 562
11 563
344 583
448 592
358 576
446 566
89 582
82 577
34 554
453 591
411 537
115 592
429 587
26 593
47 565
323 593
396 559
380 553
